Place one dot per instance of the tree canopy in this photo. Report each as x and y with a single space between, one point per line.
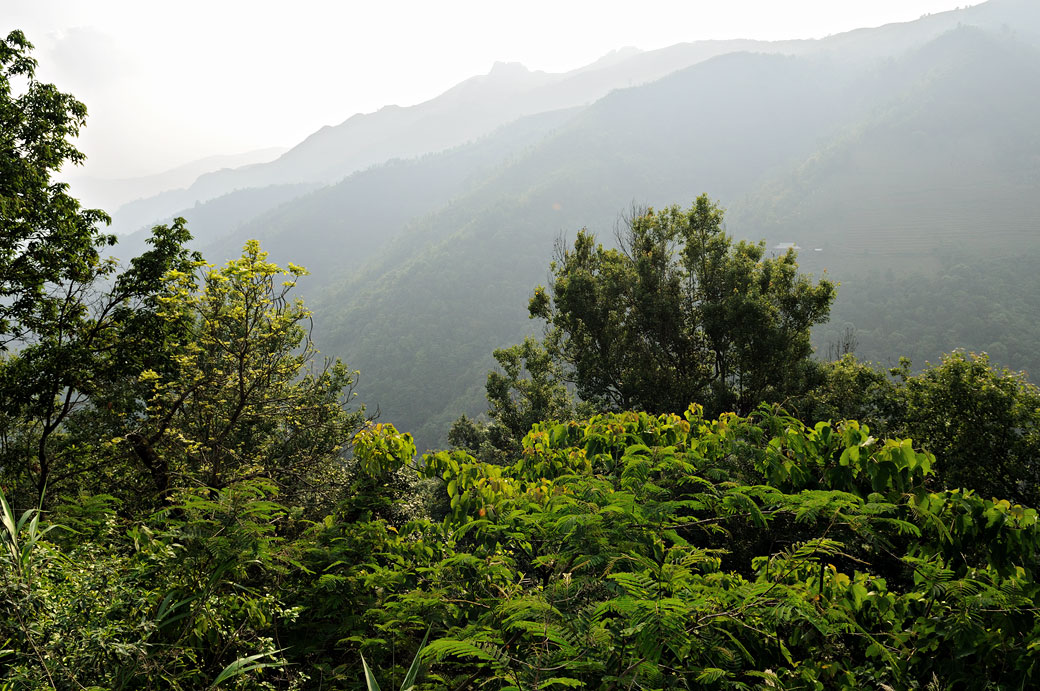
45 237
678 313
982 422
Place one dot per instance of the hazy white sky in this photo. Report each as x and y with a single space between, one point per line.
169 82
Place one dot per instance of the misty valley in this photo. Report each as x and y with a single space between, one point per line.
710 366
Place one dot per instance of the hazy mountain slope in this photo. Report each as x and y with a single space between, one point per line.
111 194
978 303
334 230
217 218
465 112
955 152
480 104
943 179
469 110
422 319
1017 18
509 91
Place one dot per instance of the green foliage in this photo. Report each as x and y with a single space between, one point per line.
245 395
18 552
528 389
235 526
186 379
45 238
851 390
384 485
516 402
677 552
982 422
181 603
409 677
241 666
74 321
70 389
679 314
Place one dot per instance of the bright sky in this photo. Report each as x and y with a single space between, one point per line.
169 82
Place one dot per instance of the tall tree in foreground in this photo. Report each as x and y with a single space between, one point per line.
72 383
46 239
680 314
247 395
72 324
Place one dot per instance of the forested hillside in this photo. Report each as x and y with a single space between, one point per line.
899 152
580 435
873 204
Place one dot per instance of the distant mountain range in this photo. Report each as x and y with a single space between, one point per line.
888 155
481 104
115 194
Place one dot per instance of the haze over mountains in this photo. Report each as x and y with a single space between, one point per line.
114 194
479 105
905 160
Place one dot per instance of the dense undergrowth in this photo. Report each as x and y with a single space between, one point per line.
626 550
191 498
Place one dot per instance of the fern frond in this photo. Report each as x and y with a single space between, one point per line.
710 675
449 647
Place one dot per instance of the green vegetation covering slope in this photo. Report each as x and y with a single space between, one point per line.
191 499
967 302
807 150
421 320
884 149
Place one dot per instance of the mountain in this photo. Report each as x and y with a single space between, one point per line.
483 103
953 149
216 219
334 229
479 105
470 110
897 157
106 193
421 319
927 210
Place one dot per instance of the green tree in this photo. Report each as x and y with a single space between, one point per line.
247 395
517 401
982 422
848 389
72 324
73 385
678 313
528 389
47 241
